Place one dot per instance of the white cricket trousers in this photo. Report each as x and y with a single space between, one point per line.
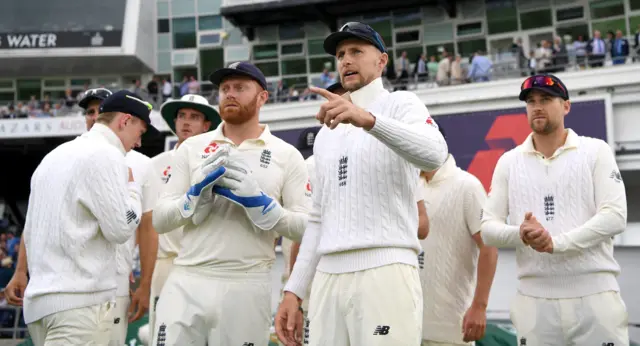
597 319
200 307
374 307
160 274
436 343
90 325
120 321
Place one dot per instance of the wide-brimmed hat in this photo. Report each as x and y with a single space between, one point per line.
170 109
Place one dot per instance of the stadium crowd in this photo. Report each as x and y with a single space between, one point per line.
560 54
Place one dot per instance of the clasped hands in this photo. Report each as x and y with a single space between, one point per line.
534 235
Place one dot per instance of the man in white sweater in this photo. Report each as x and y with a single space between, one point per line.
458 268
189 116
559 199
129 307
219 290
361 241
82 204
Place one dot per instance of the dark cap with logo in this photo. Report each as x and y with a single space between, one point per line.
546 83
98 94
335 87
125 101
239 69
307 138
354 30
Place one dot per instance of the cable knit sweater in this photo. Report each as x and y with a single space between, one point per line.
579 197
364 211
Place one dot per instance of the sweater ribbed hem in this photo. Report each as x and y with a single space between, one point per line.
448 333
363 259
122 288
36 308
569 286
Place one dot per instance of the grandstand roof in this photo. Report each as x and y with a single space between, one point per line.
260 13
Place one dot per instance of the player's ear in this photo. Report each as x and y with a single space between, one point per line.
207 126
263 97
384 59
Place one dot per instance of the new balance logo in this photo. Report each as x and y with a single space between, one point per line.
421 260
616 176
265 158
549 207
523 341
155 303
116 321
381 330
248 344
342 171
162 335
306 331
608 344
131 216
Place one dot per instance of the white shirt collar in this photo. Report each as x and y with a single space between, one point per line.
105 133
364 96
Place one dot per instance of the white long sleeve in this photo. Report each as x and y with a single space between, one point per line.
495 230
166 213
117 206
308 256
611 202
412 133
295 200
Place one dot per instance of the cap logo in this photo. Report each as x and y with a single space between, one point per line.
147 104
191 98
234 65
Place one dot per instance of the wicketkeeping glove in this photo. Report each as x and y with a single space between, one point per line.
200 195
240 187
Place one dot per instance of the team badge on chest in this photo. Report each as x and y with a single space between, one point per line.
265 158
166 174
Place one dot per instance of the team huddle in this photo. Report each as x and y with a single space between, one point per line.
388 242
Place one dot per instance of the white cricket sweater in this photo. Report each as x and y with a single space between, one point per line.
139 164
364 212
156 185
454 199
579 197
227 240
81 205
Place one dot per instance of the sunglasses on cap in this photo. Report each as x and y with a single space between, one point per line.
362 29
98 92
541 81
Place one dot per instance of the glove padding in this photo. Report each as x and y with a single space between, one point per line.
199 195
240 187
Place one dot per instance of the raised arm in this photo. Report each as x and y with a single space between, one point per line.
412 133
611 202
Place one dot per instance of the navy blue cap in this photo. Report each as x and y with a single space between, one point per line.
353 30
239 69
98 94
307 138
125 101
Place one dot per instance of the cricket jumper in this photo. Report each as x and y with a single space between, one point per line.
364 212
454 200
579 198
80 207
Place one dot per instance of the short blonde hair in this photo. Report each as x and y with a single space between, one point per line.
106 118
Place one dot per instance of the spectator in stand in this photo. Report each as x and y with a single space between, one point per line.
193 86
402 70
184 86
167 89
33 102
596 50
444 70
432 67
45 112
580 47
326 78
457 71
637 44
152 89
480 70
560 55
619 49
420 69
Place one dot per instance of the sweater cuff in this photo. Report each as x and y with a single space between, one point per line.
299 281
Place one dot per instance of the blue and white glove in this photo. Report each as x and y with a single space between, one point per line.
200 195
240 187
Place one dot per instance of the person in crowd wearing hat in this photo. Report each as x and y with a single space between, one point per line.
219 290
360 247
189 116
84 202
458 268
559 199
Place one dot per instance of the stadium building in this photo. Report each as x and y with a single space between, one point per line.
54 50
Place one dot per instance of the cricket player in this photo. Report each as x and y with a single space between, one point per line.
559 199
458 268
230 189
360 246
189 116
81 206
130 306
